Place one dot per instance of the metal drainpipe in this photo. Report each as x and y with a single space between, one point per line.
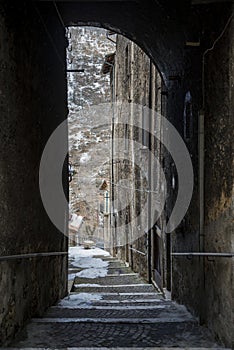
113 219
201 210
112 143
132 147
112 148
150 175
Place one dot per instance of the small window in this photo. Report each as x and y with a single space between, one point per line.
106 203
127 62
145 126
188 116
126 137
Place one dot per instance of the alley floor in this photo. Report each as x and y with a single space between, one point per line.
109 306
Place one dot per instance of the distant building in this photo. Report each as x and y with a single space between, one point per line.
75 223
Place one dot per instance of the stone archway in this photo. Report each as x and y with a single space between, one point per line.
33 100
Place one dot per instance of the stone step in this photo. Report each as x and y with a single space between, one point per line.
128 296
75 269
119 270
117 299
116 311
110 280
122 274
111 264
124 348
160 313
105 258
114 272
89 288
102 304
124 304
114 320
116 263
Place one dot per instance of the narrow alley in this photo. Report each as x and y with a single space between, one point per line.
117 310
117 174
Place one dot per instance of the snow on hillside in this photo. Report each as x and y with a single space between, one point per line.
89 145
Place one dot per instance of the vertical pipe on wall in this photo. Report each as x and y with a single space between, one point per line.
150 173
131 136
201 211
113 219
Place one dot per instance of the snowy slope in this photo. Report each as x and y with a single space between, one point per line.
89 147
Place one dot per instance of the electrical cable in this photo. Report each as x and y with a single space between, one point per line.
49 36
203 58
59 15
121 186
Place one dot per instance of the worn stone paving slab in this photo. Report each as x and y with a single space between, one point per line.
113 321
59 335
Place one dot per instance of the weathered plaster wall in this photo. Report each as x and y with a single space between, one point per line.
219 181
206 287
33 103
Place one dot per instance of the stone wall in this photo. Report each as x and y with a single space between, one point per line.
205 285
34 74
194 281
132 172
219 181
33 103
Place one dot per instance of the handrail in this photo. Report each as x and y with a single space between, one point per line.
217 255
30 255
137 251
75 70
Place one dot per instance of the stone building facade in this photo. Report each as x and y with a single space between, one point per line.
145 185
137 192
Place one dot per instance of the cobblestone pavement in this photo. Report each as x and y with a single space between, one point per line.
116 311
